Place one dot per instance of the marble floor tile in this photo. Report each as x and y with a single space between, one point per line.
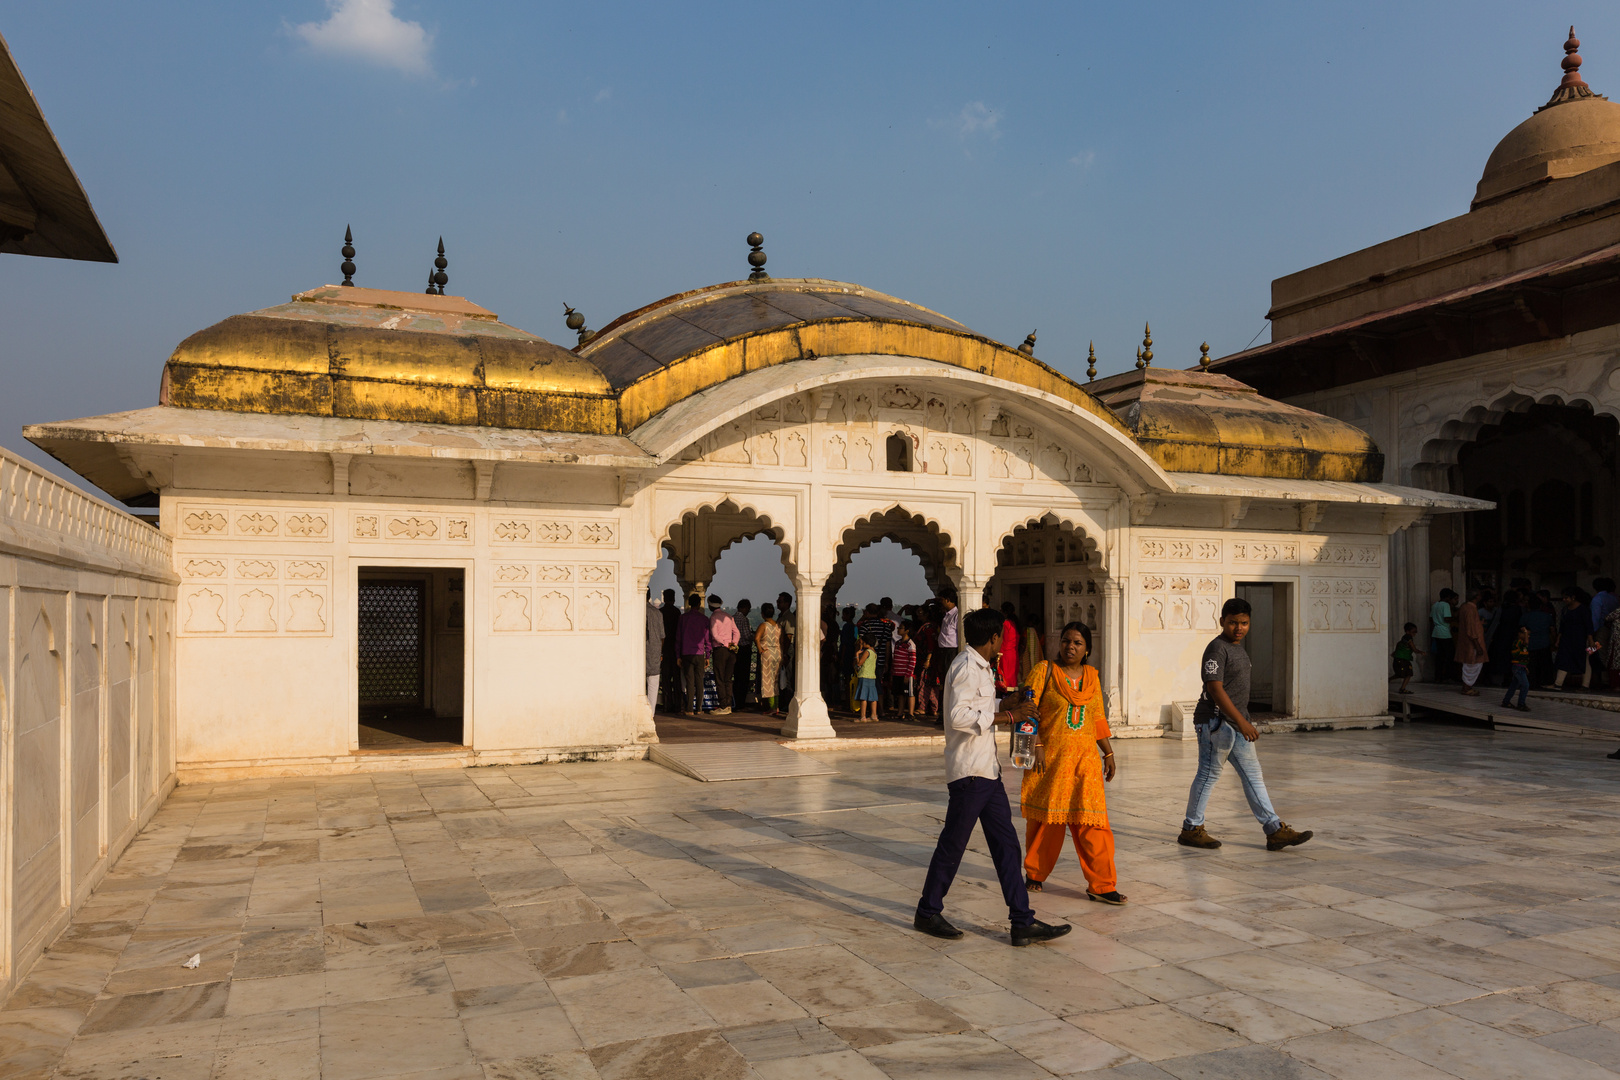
497 1036
740 1004
1475 1051
790 1039
691 1055
157 1008
841 1065
1060 1047
596 1005
1256 1020
894 1023
400 1036
1155 1032
954 1055
828 978
575 1065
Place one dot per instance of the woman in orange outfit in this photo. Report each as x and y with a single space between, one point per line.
1066 793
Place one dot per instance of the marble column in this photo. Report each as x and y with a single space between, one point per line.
1112 647
807 717
969 598
1411 603
646 730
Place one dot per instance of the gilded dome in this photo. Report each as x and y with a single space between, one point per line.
373 354
1200 421
1574 132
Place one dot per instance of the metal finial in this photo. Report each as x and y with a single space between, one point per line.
430 290
1139 364
348 256
1572 87
756 258
1028 347
440 278
1203 355
576 323
1091 362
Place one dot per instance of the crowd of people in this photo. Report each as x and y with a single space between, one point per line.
1520 641
877 661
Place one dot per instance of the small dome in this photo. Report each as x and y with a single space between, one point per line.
1574 132
371 354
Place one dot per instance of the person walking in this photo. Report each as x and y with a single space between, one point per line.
1508 620
1441 642
695 650
973 779
1225 733
927 642
1470 644
1519 671
1031 649
724 637
768 640
1574 638
787 620
1539 619
1065 792
946 646
1403 656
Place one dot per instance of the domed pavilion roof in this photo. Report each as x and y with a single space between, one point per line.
1577 130
366 354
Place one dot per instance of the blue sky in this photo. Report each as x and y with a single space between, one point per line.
1073 167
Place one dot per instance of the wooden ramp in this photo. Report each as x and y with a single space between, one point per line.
1545 717
756 760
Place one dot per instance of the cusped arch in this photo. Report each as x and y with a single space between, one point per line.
1094 552
731 504
852 539
1443 450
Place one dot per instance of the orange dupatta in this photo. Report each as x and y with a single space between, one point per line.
1069 788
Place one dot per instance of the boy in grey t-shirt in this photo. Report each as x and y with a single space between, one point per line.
1226 734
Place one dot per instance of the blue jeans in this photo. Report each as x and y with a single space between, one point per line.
977 800
1215 748
1519 681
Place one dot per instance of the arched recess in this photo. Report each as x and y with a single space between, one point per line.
696 539
1553 463
1051 569
916 533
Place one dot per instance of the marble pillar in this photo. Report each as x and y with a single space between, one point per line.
807 717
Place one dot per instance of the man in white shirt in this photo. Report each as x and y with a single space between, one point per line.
655 649
973 778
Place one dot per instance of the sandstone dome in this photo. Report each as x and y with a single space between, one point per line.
1574 132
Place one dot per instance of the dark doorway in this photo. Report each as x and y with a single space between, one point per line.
1552 471
1270 645
410 655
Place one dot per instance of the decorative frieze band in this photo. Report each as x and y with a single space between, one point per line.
251 523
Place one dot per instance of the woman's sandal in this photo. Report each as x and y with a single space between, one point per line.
1106 897
1031 885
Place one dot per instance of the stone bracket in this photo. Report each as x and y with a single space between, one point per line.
1233 510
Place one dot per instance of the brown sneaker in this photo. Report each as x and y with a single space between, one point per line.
1286 836
1197 838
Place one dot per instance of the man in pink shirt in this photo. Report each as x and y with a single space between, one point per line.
724 638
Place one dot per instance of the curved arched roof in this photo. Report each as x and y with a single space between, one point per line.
668 351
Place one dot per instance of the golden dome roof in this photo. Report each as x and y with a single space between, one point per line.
375 354
1574 132
1202 422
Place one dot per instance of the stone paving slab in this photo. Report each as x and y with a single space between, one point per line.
1456 916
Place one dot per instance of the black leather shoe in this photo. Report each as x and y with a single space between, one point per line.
1038 931
937 926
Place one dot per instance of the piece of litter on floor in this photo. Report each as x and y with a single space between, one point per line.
195 961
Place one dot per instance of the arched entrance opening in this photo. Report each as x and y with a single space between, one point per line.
912 533
708 550
1551 469
884 568
1051 574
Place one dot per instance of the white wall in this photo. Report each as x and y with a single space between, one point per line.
86 698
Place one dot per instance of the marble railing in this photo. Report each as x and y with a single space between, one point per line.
87 596
50 518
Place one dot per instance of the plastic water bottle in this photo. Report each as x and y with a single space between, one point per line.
1023 739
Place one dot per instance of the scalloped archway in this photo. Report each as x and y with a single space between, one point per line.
914 532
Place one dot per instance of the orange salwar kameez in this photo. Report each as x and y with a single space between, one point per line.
1066 794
